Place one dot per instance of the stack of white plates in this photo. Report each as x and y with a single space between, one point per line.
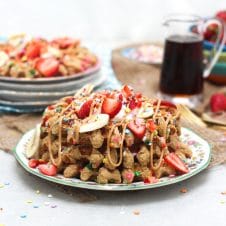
35 94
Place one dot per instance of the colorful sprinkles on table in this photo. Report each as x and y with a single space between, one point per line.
29 201
150 54
46 203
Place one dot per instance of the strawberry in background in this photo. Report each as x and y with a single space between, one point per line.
218 102
221 15
211 32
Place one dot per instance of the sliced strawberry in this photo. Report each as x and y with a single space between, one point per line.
120 97
150 180
218 102
138 95
65 42
33 163
127 91
166 103
85 109
33 50
114 95
20 54
111 106
162 142
221 15
51 107
69 100
48 169
134 103
45 119
174 161
138 129
47 66
151 125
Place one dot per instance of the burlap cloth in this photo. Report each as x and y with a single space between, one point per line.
143 78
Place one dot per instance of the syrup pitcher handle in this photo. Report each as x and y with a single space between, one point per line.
218 46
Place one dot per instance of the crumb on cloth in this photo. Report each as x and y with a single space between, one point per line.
136 212
183 190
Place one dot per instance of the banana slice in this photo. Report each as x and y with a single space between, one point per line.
85 90
97 122
3 58
33 146
145 112
52 52
16 40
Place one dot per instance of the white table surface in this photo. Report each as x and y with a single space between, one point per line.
203 204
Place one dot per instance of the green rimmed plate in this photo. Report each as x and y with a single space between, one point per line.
200 160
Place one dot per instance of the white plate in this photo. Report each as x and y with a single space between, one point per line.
28 96
200 160
49 87
16 98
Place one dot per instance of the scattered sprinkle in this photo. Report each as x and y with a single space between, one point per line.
137 173
183 190
23 216
37 192
136 212
29 201
89 166
7 183
223 192
127 110
50 196
35 207
46 203
54 206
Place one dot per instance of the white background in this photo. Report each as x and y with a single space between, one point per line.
97 20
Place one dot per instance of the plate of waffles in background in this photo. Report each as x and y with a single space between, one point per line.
35 72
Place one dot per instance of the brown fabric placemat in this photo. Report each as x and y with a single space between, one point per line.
13 126
145 78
